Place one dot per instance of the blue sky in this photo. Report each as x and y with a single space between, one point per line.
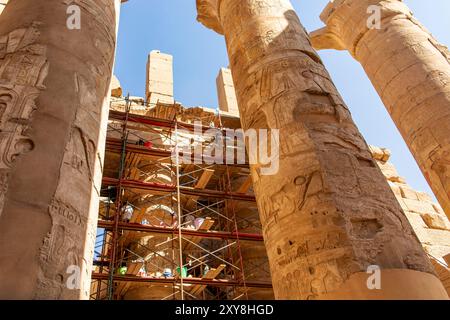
171 26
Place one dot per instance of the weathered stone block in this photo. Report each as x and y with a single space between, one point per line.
423 196
436 221
408 193
390 172
418 206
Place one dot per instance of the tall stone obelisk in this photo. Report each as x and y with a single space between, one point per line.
54 91
328 214
409 69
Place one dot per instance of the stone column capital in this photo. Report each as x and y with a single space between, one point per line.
208 14
340 16
360 7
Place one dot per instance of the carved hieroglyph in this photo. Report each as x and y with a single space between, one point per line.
23 68
409 69
54 109
328 213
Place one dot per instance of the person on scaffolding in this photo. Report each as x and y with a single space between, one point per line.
127 212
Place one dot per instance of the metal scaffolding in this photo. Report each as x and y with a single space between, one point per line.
169 225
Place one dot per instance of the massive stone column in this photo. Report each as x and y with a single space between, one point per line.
409 69
328 214
54 87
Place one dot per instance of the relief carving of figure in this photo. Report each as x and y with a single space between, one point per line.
52 275
23 69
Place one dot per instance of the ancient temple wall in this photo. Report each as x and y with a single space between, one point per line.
426 217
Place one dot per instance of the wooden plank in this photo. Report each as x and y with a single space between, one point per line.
137 217
186 171
205 226
204 179
134 267
134 174
211 274
246 185
202 182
